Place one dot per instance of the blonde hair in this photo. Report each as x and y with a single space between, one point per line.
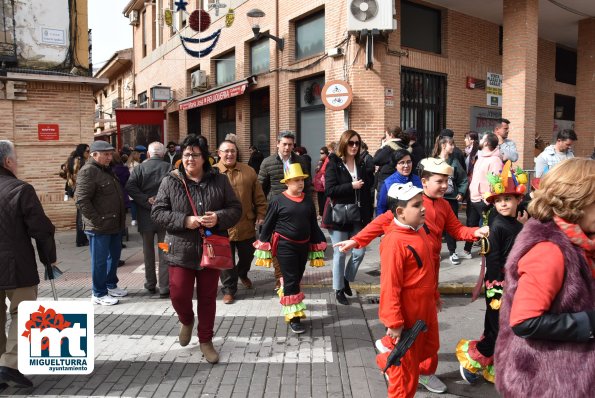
565 191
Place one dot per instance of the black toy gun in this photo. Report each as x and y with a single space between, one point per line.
406 340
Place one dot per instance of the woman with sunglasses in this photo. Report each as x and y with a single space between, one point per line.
402 175
346 183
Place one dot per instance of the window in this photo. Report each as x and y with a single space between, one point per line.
310 115
159 23
260 120
226 118
259 56
142 100
564 107
225 67
565 65
421 27
309 36
8 47
144 33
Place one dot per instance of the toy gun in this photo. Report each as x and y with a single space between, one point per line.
406 340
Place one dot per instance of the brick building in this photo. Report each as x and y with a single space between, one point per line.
429 73
46 92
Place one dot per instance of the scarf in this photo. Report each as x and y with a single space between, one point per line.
578 238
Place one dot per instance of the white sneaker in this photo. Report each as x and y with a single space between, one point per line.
117 292
133 223
104 300
454 259
432 384
465 255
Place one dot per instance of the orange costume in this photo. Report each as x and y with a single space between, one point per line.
408 292
439 218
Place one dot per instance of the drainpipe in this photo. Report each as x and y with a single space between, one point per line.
277 66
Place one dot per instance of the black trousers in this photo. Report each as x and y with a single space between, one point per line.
321 202
451 243
474 216
292 259
229 278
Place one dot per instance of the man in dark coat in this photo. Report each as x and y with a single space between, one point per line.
142 186
21 219
417 151
171 156
100 199
256 158
272 172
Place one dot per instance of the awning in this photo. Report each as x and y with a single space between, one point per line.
217 94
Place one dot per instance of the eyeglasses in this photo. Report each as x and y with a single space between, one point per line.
353 143
405 163
230 151
192 155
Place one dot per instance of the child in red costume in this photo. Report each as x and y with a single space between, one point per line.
408 289
439 218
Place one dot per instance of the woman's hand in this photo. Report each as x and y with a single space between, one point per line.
192 222
357 184
209 220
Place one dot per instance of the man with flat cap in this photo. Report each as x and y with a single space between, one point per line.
100 200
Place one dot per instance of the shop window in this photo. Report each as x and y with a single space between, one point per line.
259 56
309 36
564 107
421 27
310 116
225 67
193 121
565 65
260 120
226 118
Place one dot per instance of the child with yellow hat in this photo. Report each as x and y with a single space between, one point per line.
291 233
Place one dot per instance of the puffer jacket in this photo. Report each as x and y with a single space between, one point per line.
245 184
339 189
172 206
100 199
271 174
21 219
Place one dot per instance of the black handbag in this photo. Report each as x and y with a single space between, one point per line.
349 213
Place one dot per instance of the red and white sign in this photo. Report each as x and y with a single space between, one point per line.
219 95
337 95
48 132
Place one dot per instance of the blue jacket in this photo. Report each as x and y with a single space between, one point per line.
394 178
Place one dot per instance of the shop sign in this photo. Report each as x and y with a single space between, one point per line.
53 36
48 132
337 95
389 97
483 120
214 97
494 90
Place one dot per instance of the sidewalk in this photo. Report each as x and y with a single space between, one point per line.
137 351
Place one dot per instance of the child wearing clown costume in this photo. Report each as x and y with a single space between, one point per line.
291 233
506 193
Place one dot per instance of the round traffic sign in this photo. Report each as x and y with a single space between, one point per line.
337 95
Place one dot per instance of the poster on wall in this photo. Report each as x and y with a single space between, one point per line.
483 120
48 132
494 90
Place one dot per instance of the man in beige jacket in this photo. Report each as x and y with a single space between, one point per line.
245 184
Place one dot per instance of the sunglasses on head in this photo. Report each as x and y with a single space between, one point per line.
353 143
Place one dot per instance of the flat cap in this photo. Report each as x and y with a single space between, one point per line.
101 146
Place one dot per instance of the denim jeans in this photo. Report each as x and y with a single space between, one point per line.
340 269
105 255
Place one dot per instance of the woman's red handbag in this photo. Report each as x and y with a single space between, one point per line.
216 249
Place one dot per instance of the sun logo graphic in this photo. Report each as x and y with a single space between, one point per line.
56 337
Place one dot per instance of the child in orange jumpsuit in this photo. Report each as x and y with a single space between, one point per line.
408 288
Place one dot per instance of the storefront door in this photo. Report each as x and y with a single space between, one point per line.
310 117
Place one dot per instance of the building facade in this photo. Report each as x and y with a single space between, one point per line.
46 92
435 70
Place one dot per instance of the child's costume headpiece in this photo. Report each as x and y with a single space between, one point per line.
294 171
403 191
436 165
509 182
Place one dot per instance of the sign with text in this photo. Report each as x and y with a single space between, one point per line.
494 90
213 97
53 36
48 132
483 120
56 337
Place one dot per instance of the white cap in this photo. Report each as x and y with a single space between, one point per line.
403 191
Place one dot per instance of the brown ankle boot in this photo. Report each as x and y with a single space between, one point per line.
185 334
209 352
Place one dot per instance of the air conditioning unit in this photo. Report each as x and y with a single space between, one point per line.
198 80
371 14
133 17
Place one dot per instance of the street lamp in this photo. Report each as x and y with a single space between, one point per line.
254 16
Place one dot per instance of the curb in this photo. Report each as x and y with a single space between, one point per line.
445 288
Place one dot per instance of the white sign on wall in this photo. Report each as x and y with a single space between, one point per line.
53 36
494 90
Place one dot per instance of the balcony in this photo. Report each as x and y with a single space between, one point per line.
8 45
